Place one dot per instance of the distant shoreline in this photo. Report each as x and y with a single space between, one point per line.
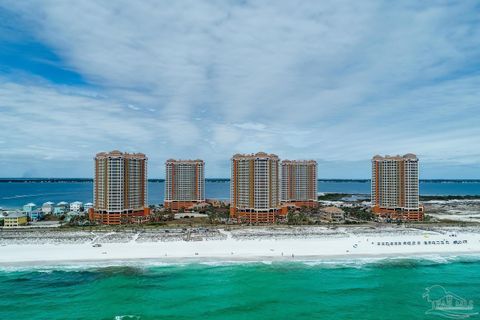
73 180
339 196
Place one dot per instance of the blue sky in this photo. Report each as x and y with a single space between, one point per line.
335 81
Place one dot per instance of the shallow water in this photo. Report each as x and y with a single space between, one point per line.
380 289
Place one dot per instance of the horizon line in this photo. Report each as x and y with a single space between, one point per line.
13 179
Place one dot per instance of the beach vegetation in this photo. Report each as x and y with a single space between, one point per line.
359 213
50 217
333 196
297 218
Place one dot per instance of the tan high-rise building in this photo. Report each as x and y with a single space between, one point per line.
120 188
184 183
395 187
255 188
299 183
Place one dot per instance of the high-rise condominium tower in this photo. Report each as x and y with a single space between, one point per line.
184 183
395 187
120 188
255 187
299 182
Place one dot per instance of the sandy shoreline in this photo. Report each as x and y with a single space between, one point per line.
335 260
267 244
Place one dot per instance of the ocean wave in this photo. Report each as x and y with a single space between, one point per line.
127 317
129 266
19 196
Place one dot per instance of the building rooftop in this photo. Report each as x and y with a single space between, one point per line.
15 214
261 155
179 161
409 156
299 162
119 154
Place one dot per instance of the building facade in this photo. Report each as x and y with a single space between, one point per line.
29 207
255 188
332 214
35 215
61 208
47 207
120 188
184 184
395 187
87 206
299 183
15 220
76 206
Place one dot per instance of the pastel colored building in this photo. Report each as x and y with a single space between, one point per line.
76 206
15 220
184 184
395 187
47 207
35 215
255 188
61 208
87 206
332 214
29 207
120 188
299 183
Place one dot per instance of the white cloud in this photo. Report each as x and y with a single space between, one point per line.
331 80
251 126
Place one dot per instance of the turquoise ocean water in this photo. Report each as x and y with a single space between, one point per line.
387 289
15 195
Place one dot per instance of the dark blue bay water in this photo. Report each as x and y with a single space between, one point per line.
381 290
14 195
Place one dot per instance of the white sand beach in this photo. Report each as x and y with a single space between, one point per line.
241 244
